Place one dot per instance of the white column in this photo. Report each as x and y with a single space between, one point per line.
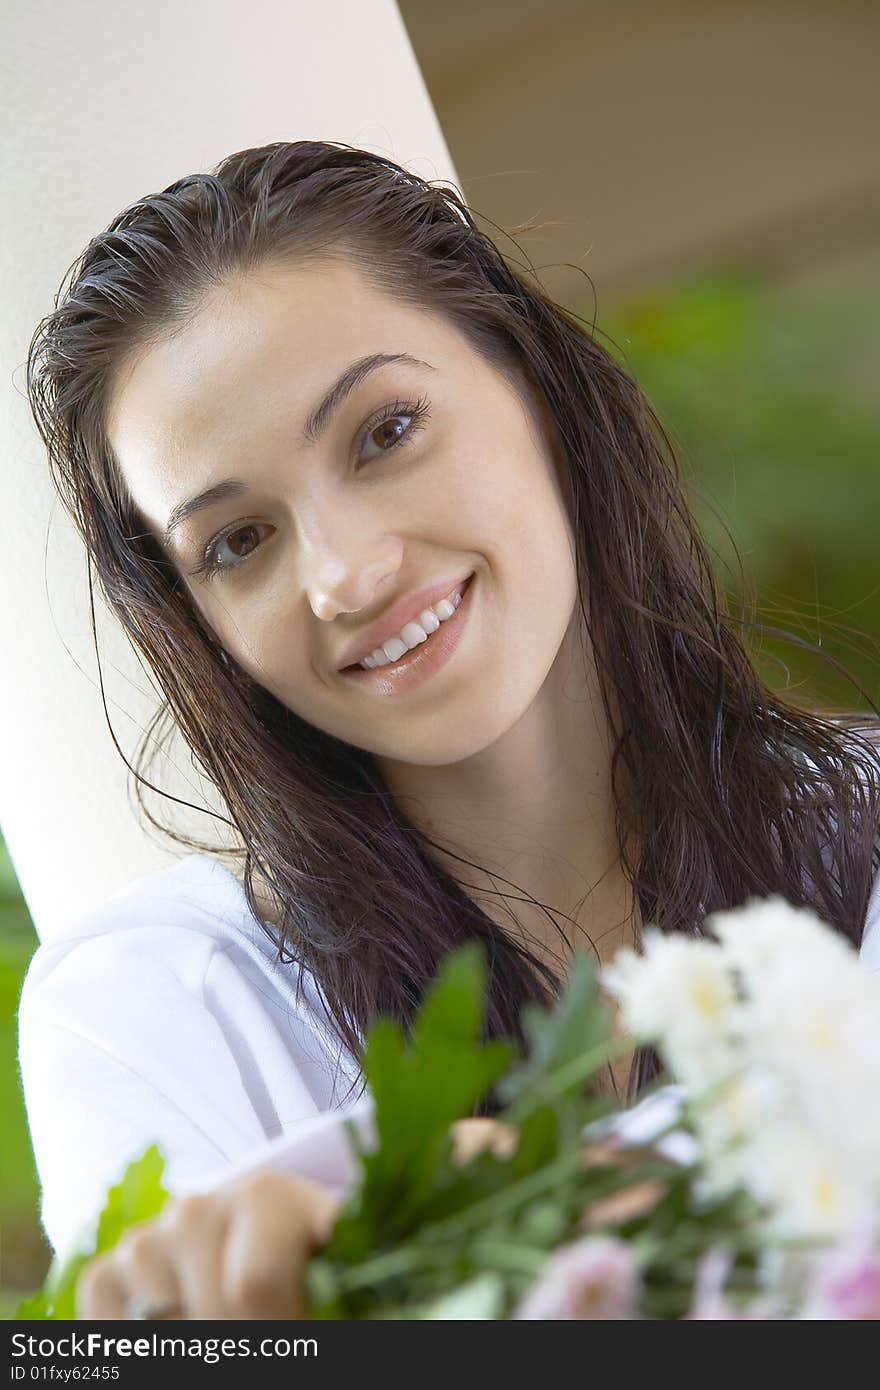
103 103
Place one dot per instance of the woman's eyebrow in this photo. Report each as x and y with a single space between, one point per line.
350 379
315 425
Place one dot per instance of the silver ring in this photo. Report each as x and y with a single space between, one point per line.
152 1312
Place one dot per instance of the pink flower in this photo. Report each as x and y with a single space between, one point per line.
595 1278
846 1285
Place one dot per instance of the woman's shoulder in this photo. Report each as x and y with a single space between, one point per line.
163 1016
173 942
181 914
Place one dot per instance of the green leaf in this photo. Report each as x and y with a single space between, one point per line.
538 1143
35 1308
137 1197
420 1089
575 1029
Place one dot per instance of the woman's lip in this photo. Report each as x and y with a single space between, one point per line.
422 661
426 602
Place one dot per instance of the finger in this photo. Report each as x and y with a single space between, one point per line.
271 1237
477 1132
469 1137
505 1139
101 1290
194 1229
147 1266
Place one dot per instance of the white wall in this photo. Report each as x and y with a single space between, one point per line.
103 103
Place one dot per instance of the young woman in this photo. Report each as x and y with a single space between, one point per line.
408 554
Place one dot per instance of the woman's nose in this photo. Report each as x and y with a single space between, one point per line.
347 588
346 554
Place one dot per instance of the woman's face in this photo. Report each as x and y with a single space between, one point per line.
329 535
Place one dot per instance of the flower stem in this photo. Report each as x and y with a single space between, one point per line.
506 1255
405 1260
578 1069
508 1199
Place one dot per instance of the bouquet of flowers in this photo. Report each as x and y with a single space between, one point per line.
747 1188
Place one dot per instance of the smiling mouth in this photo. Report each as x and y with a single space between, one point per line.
405 656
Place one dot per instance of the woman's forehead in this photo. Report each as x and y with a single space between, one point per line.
280 332
235 388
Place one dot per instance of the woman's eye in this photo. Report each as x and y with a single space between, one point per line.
389 432
386 425
211 563
250 544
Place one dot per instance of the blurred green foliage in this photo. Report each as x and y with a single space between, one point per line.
773 411
24 1253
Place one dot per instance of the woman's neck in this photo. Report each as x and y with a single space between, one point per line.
533 814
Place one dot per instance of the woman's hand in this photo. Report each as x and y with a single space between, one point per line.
239 1251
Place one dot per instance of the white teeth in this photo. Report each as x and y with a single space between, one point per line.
429 620
394 648
412 634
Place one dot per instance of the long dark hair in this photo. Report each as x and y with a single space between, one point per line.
729 790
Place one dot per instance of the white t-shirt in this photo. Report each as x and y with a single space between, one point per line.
164 1017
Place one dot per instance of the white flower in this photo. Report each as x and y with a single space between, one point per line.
773 1033
820 1034
764 941
727 1123
680 992
814 1192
